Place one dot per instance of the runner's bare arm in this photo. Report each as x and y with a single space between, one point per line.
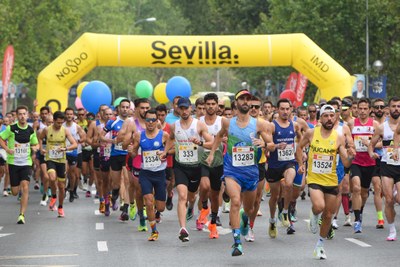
374 140
71 139
345 156
218 139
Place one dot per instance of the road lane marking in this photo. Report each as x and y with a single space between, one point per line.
1 228
102 246
36 256
8 265
6 234
358 242
99 226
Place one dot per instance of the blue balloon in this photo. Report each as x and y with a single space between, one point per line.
94 94
178 86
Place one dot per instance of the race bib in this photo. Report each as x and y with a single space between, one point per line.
54 154
322 164
242 156
21 150
287 153
151 159
188 154
360 147
389 156
118 146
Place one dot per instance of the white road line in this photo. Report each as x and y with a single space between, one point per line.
97 212
102 246
358 242
36 256
1 228
6 234
99 226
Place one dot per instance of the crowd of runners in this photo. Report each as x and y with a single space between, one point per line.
222 156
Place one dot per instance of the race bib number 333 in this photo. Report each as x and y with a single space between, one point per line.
188 154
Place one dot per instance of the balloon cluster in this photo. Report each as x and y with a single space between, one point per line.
90 95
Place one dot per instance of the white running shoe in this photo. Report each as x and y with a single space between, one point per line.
335 224
226 207
43 203
250 236
5 193
347 221
392 236
319 253
313 225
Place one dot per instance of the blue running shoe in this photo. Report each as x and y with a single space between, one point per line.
357 227
244 223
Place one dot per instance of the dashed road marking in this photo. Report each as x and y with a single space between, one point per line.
99 226
358 242
102 246
36 256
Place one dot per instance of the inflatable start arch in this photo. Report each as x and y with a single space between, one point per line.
92 50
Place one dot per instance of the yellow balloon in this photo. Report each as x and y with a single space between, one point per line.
160 93
80 88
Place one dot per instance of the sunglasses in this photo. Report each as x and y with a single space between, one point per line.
221 106
312 111
255 106
81 114
379 107
151 119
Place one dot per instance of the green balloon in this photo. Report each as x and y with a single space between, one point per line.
118 101
144 89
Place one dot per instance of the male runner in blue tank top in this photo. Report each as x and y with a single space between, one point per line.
240 164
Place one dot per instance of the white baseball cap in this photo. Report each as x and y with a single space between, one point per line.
326 109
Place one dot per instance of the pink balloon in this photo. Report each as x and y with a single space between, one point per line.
78 103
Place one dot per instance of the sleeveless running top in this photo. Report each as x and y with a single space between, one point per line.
150 160
187 153
388 145
55 140
213 129
362 132
280 157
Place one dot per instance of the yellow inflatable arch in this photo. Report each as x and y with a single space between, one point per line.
92 50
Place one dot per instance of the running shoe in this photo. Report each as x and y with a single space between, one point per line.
71 196
272 231
142 226
43 203
250 236
189 214
331 233
102 207
203 215
153 236
293 217
285 220
107 210
259 213
132 212
21 219
357 227
52 205
290 230
335 225
392 236
5 193
158 217
380 224
114 204
319 253
19 195
237 250
199 225
303 195
96 196
218 221
226 207
213 231
183 235
244 225
88 194
75 195
347 221
61 213
36 186
124 216
169 205
313 224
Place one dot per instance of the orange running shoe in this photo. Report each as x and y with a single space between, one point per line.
52 205
213 231
60 213
102 207
203 215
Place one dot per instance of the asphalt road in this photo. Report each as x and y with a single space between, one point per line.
86 238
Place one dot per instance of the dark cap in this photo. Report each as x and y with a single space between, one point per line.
242 93
346 104
184 102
